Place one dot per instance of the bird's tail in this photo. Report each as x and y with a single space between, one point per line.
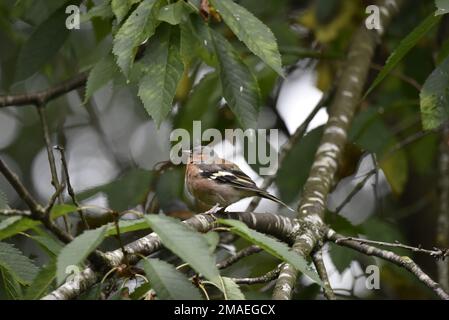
269 196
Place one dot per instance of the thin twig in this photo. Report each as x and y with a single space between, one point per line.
404 262
69 186
400 76
238 256
435 253
51 159
359 186
318 261
15 212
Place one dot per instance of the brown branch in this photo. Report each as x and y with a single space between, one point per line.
400 76
324 168
15 212
318 261
436 253
404 262
238 256
40 98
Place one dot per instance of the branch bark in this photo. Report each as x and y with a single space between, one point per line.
278 226
341 112
404 261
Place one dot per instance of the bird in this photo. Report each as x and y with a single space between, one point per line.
215 182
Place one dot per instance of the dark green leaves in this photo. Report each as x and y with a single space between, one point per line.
256 35
41 282
272 246
404 47
43 44
240 88
16 264
169 283
162 69
434 97
186 243
76 251
174 13
140 25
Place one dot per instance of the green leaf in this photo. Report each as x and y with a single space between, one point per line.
232 289
43 44
10 288
162 71
121 8
127 226
13 225
256 35
187 244
196 41
174 13
103 72
16 264
240 87
443 7
48 243
169 283
273 247
213 239
434 97
76 251
124 192
103 11
139 26
404 47
42 282
60 210
341 257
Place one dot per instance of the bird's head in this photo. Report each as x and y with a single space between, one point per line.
201 154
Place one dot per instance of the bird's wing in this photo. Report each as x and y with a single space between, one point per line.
232 175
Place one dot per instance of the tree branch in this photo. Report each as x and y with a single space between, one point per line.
40 98
238 256
404 262
269 276
278 226
318 261
341 112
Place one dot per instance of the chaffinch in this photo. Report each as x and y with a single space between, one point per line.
215 182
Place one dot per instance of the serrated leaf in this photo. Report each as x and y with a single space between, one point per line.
273 247
169 283
162 71
174 13
121 8
443 7
127 226
251 31
76 251
43 44
16 264
187 244
139 26
9 287
434 97
103 72
196 41
404 47
232 289
42 282
240 87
